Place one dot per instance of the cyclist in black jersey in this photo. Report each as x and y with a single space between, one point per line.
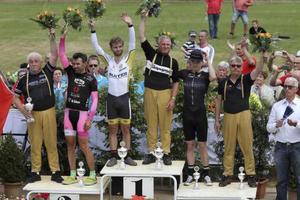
196 83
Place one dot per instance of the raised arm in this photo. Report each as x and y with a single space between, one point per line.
211 70
53 48
62 51
94 39
142 27
259 67
129 23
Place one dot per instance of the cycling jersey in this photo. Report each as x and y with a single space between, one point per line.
80 87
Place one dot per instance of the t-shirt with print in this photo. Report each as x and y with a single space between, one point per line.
80 87
160 68
39 88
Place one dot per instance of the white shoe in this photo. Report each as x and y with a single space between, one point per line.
188 181
207 181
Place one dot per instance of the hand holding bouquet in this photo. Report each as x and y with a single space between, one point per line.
47 20
94 8
73 18
152 7
262 42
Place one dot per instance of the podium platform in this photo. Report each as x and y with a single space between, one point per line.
141 170
48 186
214 192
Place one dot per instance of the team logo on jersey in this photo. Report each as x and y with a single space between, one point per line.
79 82
118 76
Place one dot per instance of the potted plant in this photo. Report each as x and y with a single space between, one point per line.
12 169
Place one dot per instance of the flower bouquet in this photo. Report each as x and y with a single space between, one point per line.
210 102
262 42
94 8
169 34
46 19
255 103
152 7
73 18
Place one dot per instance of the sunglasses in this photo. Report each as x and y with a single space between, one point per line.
93 65
235 65
288 87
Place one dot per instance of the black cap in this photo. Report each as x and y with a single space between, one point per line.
192 33
196 54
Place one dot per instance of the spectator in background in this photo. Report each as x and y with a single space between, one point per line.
222 70
205 47
249 61
213 12
189 45
255 28
240 9
265 92
59 88
95 69
284 123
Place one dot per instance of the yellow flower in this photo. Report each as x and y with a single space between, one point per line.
69 9
46 13
168 34
269 35
99 1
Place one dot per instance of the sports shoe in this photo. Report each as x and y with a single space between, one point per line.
112 162
129 161
70 180
148 159
225 180
207 181
252 181
89 181
56 177
188 181
33 177
167 159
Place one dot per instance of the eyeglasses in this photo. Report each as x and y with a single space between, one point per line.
235 65
288 87
93 65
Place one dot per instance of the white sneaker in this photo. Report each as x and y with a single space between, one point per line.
188 181
207 181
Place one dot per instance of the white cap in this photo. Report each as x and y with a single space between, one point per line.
298 54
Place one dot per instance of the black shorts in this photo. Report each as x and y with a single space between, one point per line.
195 125
118 108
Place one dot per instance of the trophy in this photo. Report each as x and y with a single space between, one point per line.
196 175
80 172
28 107
241 176
158 153
122 152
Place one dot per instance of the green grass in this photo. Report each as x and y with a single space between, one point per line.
19 35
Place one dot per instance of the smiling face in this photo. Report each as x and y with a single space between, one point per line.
164 45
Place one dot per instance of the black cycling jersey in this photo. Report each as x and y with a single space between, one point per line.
195 88
80 87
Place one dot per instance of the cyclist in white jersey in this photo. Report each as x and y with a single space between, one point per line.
118 73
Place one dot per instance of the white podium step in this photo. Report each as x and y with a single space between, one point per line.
214 192
48 186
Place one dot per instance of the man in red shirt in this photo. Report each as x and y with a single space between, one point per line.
240 9
249 61
213 12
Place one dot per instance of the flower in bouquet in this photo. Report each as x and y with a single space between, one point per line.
262 42
46 19
168 34
152 7
255 103
94 8
73 18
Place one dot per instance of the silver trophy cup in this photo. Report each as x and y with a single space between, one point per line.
196 175
241 176
28 107
158 153
122 152
80 172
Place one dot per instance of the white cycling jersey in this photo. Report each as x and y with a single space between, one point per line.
118 74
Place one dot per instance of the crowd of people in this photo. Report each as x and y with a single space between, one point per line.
74 89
